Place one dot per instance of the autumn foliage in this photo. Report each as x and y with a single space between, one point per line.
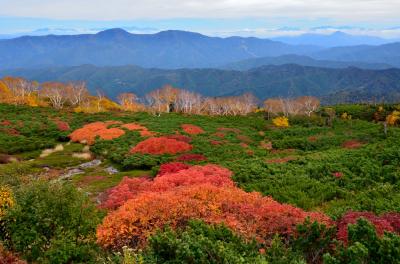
6 200
160 146
144 132
389 222
281 121
89 132
192 129
248 214
191 157
172 167
171 175
62 126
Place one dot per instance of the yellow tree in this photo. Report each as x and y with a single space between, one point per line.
20 89
128 102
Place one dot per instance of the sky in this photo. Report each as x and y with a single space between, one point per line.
259 18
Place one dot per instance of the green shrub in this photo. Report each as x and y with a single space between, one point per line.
365 246
201 243
52 223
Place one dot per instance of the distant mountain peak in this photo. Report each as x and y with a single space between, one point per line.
113 32
178 33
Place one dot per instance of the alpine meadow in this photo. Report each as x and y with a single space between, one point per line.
220 132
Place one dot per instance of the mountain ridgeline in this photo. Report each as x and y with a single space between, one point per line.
167 49
174 49
212 66
332 85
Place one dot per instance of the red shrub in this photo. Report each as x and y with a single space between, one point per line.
7 257
161 145
244 145
195 175
192 129
5 123
389 222
219 134
266 145
127 189
62 126
11 131
312 138
352 144
248 214
89 132
394 220
191 157
180 138
337 174
172 167
216 142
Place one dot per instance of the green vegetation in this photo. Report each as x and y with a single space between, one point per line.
316 164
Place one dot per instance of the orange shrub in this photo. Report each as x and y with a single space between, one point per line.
89 132
161 145
192 129
144 132
248 214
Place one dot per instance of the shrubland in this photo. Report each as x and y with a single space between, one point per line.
318 188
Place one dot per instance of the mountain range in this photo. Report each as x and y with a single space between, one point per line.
335 39
167 49
180 49
212 66
332 85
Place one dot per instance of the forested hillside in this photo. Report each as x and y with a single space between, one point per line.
264 82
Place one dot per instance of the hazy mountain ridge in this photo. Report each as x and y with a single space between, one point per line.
264 82
301 60
387 53
335 39
167 49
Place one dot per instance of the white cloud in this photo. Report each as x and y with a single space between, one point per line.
340 10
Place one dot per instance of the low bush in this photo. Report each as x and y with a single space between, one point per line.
52 223
160 146
248 214
201 243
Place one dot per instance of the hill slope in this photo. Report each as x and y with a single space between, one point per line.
264 82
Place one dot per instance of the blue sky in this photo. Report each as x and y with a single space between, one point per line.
261 18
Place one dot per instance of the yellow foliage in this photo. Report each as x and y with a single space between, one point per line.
393 118
346 116
6 200
32 100
281 121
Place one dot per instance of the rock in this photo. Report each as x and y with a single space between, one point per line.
59 147
70 173
90 164
111 170
86 149
85 156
